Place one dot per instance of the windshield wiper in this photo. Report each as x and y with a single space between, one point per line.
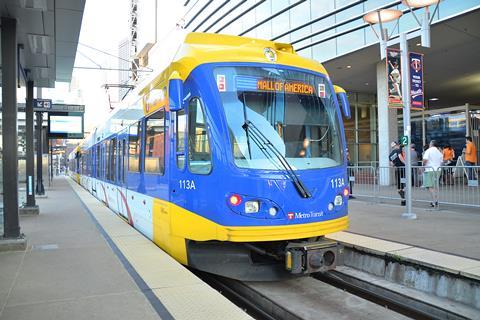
260 139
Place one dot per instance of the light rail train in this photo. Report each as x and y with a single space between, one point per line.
232 159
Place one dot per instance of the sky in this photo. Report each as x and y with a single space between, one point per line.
105 24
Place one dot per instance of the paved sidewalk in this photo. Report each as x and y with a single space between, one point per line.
450 230
68 271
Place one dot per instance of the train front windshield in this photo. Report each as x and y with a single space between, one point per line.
294 112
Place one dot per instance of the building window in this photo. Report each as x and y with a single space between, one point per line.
199 155
155 143
134 139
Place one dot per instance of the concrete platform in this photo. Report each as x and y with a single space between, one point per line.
451 230
83 262
446 240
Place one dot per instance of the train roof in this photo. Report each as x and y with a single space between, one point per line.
190 51
200 48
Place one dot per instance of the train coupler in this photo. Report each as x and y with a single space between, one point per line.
309 257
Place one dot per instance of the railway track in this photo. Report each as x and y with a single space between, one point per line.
302 298
340 294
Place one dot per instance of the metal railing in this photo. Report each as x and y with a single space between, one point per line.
455 185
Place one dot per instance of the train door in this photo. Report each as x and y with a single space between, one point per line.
133 174
102 193
178 163
96 169
112 189
121 172
192 153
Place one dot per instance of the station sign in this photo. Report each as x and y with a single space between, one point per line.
394 79
42 104
416 81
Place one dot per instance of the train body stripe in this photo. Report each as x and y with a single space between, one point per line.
129 214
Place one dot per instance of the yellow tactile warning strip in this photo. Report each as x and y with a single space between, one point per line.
181 294
434 259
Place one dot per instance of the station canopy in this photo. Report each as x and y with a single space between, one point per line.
47 32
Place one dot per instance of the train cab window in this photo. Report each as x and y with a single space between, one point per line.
134 140
155 143
181 127
199 155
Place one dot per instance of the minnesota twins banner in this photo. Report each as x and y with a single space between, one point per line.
394 79
416 80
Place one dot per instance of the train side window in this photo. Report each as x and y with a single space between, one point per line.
124 161
104 159
155 143
120 159
181 127
97 162
134 140
113 155
107 159
199 154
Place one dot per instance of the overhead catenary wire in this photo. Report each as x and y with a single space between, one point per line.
89 59
114 56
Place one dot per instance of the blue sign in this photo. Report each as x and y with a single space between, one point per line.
417 93
42 104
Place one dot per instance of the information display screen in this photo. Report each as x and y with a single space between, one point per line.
65 125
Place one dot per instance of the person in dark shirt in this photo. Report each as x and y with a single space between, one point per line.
397 160
351 175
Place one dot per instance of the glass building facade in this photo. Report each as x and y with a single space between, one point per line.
324 30
318 29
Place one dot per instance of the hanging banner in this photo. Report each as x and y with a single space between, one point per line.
394 79
416 81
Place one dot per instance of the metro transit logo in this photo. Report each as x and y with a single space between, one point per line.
290 215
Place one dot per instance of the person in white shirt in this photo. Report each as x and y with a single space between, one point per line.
432 160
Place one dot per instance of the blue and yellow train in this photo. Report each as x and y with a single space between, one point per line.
232 159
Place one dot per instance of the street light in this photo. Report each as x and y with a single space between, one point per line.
419 3
385 15
382 16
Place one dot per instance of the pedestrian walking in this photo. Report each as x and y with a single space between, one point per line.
414 162
432 160
470 157
448 161
397 160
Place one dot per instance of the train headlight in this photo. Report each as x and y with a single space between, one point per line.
272 211
338 200
251 206
330 206
235 200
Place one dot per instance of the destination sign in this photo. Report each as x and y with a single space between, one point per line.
288 87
